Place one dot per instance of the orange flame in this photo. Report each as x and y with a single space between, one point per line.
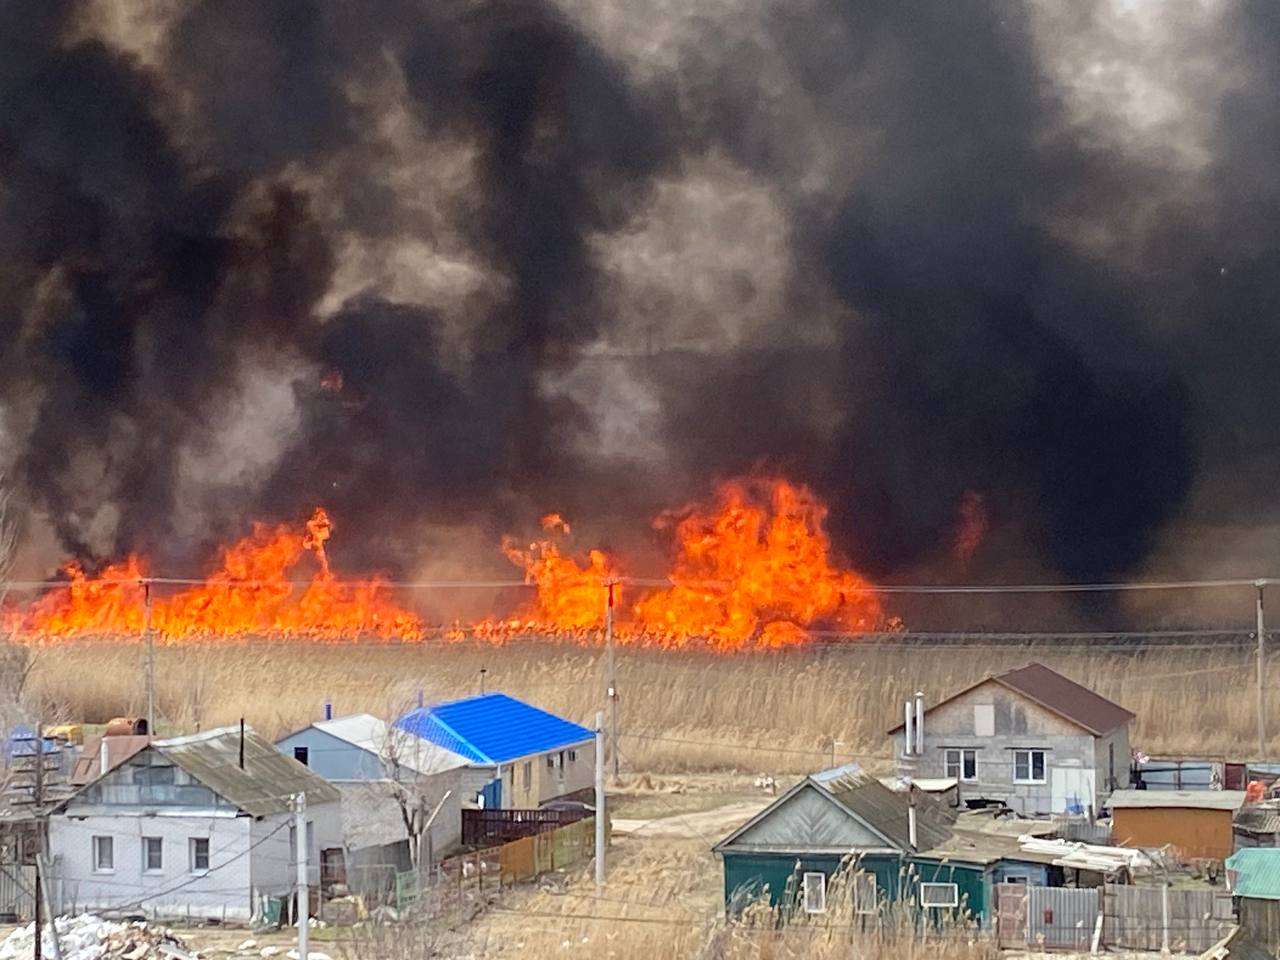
254 592
752 569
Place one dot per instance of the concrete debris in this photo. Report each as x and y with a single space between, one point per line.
87 937
266 952
246 946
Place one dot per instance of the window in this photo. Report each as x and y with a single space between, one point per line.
1028 766
152 854
1021 878
526 774
984 720
865 900
962 764
302 755
551 761
104 855
815 893
573 756
199 854
937 895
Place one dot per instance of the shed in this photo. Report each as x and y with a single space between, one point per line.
1253 877
1258 825
1196 823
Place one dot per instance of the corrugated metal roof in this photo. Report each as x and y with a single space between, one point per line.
119 749
1255 872
886 811
493 728
1179 799
367 732
1258 818
266 784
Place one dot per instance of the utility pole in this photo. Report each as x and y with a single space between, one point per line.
150 658
304 892
600 813
613 676
1262 675
37 798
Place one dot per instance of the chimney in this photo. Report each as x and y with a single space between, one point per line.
919 723
103 762
328 710
242 743
911 819
420 700
909 742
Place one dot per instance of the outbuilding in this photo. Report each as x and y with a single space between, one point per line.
1253 877
1196 823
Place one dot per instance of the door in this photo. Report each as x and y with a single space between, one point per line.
1072 789
492 794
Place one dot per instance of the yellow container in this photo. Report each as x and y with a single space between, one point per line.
70 732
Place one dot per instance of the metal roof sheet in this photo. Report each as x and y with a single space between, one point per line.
266 784
119 749
493 728
368 732
1258 818
886 811
1254 872
1176 799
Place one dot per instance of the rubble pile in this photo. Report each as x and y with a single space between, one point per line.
86 937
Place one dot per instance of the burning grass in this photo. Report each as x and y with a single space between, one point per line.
781 711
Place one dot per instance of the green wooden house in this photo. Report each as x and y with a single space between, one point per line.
847 818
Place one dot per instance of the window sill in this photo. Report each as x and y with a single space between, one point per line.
98 872
1029 783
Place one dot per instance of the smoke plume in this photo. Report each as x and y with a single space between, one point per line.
441 265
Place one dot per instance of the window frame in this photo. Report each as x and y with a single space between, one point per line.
146 855
951 904
99 843
960 763
1031 777
193 848
573 755
861 880
526 775
806 891
303 756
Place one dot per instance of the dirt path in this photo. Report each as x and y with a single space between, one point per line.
709 825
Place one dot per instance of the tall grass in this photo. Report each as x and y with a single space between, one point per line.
692 710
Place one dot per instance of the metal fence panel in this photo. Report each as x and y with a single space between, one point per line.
17 889
1011 915
1059 918
1135 918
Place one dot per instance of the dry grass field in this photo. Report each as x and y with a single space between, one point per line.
789 711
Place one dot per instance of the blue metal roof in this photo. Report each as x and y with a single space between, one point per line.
1255 872
492 728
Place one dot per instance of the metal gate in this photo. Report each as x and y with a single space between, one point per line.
17 898
1059 918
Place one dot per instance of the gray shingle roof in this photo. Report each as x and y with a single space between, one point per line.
886 811
265 785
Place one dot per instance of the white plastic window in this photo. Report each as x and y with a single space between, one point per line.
815 892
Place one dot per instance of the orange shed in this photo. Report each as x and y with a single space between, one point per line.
1196 823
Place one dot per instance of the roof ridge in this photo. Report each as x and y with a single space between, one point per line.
484 757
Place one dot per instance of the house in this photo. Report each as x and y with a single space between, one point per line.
846 819
1253 877
1030 738
198 826
519 756
362 747
1257 825
1196 823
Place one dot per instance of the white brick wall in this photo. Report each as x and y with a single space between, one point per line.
174 891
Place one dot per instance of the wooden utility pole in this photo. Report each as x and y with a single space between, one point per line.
37 799
304 891
1262 675
150 658
600 813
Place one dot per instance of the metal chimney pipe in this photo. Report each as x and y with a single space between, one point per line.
909 744
911 821
920 722
103 761
242 743
328 710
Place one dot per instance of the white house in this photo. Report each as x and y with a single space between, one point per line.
199 826
377 767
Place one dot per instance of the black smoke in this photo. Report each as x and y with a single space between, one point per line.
176 212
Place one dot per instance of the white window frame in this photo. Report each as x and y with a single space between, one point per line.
146 854
100 844
814 886
952 901
959 764
192 848
1030 753
866 894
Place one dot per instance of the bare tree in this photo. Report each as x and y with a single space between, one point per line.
419 795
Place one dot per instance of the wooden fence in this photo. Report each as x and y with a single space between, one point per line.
483 828
465 881
17 892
